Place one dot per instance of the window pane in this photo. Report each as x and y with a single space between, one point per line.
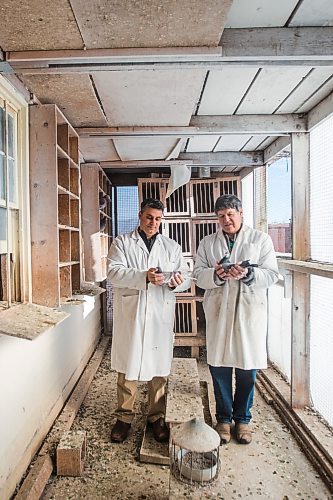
2 178
2 129
3 230
279 204
12 179
127 208
11 132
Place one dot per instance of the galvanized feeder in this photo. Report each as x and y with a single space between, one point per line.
195 452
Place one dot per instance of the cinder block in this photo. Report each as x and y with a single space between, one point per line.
71 453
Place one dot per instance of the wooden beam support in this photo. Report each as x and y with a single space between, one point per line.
300 365
321 112
278 125
225 158
315 268
310 46
278 147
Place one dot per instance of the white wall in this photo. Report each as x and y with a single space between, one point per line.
36 378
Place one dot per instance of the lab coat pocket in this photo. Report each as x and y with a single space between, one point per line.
169 310
129 306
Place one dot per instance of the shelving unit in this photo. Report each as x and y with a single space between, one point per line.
55 206
96 220
189 217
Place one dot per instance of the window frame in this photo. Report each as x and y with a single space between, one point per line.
16 104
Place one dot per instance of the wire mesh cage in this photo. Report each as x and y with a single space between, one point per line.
203 194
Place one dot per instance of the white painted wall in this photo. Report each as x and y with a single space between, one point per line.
36 378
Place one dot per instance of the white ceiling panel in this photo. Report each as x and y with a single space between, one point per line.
307 88
254 142
232 142
97 149
270 88
266 143
323 92
145 148
202 144
224 89
149 98
314 13
259 13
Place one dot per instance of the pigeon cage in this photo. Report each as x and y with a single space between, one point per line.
195 452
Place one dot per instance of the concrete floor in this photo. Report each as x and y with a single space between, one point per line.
271 467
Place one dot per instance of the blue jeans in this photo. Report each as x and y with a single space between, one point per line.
229 407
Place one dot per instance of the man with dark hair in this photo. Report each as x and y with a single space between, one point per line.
146 269
235 266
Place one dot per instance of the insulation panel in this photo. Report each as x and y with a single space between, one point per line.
128 23
149 98
73 94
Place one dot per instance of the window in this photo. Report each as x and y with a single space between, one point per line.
279 204
10 202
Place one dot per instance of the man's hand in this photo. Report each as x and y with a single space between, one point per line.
154 277
236 272
176 280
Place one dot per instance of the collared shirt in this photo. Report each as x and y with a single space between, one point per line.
231 241
148 242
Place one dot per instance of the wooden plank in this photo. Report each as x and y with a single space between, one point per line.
300 363
44 205
300 158
190 341
320 112
183 397
153 452
306 43
316 268
210 125
225 158
276 148
34 484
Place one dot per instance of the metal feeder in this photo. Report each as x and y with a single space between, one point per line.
195 452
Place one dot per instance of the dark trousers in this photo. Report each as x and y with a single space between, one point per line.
231 406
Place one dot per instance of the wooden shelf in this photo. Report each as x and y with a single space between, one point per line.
55 206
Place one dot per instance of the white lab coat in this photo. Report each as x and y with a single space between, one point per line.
236 313
143 314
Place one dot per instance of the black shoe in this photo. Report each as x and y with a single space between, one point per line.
160 430
120 431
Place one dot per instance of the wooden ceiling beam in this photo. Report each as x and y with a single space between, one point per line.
310 46
209 125
277 147
221 159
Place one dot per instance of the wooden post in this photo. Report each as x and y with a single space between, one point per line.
260 197
300 377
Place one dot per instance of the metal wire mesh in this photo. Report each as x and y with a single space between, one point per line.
127 209
279 330
321 346
321 199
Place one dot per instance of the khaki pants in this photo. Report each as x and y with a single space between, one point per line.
126 393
